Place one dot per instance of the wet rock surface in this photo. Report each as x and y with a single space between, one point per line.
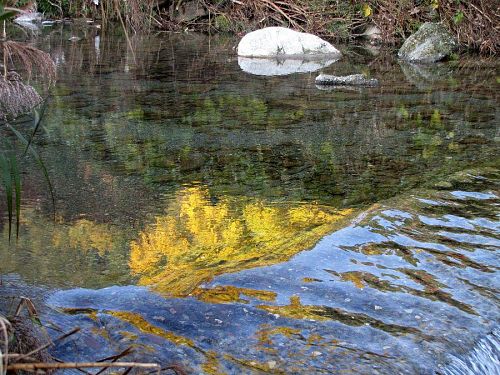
431 43
406 289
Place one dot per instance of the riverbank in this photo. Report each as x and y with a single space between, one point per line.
474 23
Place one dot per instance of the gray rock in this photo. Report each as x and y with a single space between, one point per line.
351 80
187 11
432 42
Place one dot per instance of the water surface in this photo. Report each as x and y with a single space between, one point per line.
235 223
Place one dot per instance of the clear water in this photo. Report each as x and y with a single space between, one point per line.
234 223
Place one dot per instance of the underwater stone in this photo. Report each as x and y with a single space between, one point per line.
432 42
280 41
351 80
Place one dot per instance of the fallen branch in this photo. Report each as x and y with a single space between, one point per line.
62 337
78 365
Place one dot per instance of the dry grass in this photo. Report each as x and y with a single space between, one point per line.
24 349
323 18
31 59
16 97
476 23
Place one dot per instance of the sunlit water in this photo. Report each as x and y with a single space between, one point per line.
236 223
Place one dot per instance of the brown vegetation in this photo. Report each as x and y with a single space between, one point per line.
475 23
16 96
24 347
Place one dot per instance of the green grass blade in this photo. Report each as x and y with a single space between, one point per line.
17 186
7 183
37 121
40 162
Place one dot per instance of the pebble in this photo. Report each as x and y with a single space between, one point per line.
378 307
316 354
271 364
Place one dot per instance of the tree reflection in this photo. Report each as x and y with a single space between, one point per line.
200 237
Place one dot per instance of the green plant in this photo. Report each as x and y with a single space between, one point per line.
458 17
18 98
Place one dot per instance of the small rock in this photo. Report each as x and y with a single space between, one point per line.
408 311
271 364
372 33
316 354
378 307
418 317
351 80
187 11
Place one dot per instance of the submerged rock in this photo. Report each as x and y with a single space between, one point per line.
432 42
280 41
280 67
351 80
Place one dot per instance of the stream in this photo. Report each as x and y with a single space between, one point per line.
231 222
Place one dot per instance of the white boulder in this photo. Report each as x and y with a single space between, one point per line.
280 41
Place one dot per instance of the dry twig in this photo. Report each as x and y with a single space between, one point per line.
78 365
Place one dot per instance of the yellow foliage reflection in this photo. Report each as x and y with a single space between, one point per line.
82 252
198 239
